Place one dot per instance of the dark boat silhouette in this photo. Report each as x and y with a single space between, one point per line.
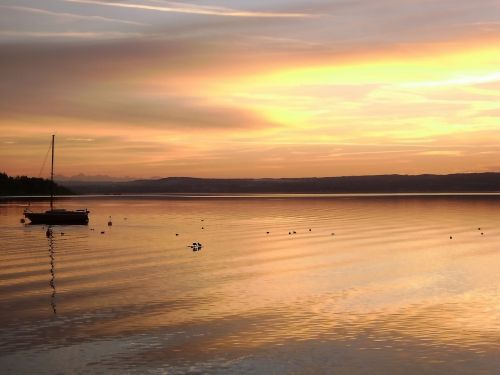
57 216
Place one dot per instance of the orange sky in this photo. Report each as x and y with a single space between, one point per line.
250 89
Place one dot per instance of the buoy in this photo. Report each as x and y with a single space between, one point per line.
62 233
478 228
202 227
177 234
110 223
451 237
267 232
22 221
482 234
333 234
294 232
309 229
289 232
102 232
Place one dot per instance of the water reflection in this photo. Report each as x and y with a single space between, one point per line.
362 286
52 283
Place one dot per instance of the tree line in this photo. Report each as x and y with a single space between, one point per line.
24 185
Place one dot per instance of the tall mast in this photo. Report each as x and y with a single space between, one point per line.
52 177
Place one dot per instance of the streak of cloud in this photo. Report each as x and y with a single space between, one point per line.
467 80
68 34
172 7
71 16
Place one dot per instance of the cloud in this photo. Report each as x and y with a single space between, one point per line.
174 7
459 81
81 139
442 153
71 16
68 34
119 109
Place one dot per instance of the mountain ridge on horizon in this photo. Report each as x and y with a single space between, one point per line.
81 177
393 183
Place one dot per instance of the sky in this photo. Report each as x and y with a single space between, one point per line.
228 89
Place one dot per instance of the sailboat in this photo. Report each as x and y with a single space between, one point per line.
57 216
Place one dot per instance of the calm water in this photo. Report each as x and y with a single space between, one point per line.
388 293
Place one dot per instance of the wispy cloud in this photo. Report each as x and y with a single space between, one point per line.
67 35
460 81
71 16
173 7
81 139
442 153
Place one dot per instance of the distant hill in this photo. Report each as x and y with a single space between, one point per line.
465 182
23 185
96 178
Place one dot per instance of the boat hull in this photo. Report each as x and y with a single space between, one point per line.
58 218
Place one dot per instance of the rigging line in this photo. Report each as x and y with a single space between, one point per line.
45 160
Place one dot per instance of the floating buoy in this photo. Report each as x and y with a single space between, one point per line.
202 227
110 223
294 232
333 234
177 234
451 237
22 221
289 232
267 232
482 234
478 228
309 229
62 233
102 232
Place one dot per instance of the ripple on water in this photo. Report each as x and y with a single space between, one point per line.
389 293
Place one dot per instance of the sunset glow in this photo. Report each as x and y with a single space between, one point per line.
250 89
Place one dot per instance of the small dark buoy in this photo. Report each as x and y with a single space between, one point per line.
202 227
91 228
309 229
110 223
102 232
289 232
177 234
62 233
22 221
333 234
451 237
478 228
294 232
267 232
202 219
482 234
124 218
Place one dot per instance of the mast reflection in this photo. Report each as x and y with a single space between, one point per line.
52 282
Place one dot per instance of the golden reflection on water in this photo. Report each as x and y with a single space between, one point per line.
364 285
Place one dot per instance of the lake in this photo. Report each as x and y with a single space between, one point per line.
282 285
